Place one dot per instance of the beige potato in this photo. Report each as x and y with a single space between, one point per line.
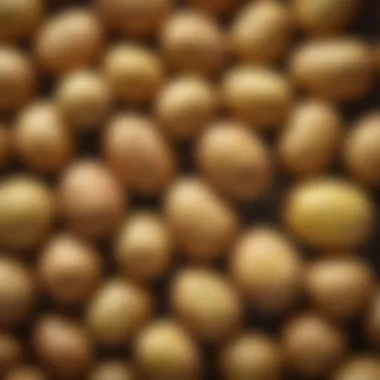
63 347
267 268
262 31
27 211
42 138
313 346
362 150
324 17
17 79
91 200
251 356
311 139
337 69
359 367
329 212
192 42
203 226
134 18
117 312
340 288
133 73
69 40
84 99
185 106
138 154
164 350
206 303
234 160
143 247
258 96
112 370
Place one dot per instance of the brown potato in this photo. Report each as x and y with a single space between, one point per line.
216 7
69 40
17 79
193 43
311 139
165 351
27 212
267 268
63 347
372 321
324 17
329 212
234 160
362 150
10 352
185 106
138 154
26 373
134 18
19 19
112 370
206 303
118 311
42 138
340 288
84 99
262 31
312 346
143 246
338 69
359 367
69 269
203 226
91 200
5 146
258 96
251 356
134 73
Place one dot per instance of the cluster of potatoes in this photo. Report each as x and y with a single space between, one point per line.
122 259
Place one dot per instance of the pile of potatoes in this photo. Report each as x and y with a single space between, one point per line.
189 190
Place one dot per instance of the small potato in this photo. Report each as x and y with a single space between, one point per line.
324 17
19 19
267 268
91 200
17 79
258 96
206 303
112 370
362 150
27 211
69 269
84 99
185 106
312 346
193 43
216 7
202 224
234 160
134 18
339 69
138 154
311 139
42 138
117 312
164 350
372 321
63 347
68 41
251 356
134 73
330 213
262 31
26 373
144 246
17 292
340 288
5 146
364 367
10 352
